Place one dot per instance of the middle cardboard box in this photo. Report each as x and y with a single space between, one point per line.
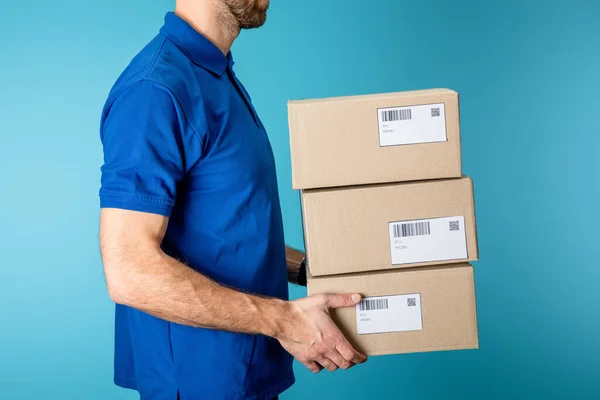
389 226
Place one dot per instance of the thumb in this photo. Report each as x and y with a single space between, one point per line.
342 300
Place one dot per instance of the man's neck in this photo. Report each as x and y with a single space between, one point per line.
212 20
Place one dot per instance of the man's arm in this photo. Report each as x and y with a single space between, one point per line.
294 261
140 275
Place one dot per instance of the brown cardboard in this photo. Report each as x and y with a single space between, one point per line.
336 142
346 230
449 318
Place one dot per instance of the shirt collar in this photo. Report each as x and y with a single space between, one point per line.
198 48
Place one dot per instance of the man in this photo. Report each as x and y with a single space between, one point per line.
191 229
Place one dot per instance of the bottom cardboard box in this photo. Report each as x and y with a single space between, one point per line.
406 311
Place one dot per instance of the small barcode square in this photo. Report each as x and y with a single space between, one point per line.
412 229
411 302
396 115
373 304
454 226
435 112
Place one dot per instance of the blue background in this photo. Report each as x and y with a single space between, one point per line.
528 75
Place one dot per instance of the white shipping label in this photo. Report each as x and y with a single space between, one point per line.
412 124
428 240
400 313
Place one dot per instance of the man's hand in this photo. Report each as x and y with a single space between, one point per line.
309 334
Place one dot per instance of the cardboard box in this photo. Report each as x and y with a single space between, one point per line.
394 137
405 311
389 226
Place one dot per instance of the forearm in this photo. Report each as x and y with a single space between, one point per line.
294 260
161 286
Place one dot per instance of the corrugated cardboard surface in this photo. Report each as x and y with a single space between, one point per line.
335 141
346 229
448 308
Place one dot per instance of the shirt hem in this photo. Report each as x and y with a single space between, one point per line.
112 201
131 384
125 383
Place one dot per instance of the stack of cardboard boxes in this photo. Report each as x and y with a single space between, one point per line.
388 214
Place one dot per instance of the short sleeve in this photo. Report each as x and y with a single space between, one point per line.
144 150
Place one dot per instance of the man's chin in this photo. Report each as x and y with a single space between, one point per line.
256 23
256 17
260 17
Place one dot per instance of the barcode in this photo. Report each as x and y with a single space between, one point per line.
435 112
454 226
374 304
411 302
412 229
396 115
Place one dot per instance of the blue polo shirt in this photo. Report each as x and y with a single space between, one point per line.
182 139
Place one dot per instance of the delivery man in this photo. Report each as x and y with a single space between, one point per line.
191 228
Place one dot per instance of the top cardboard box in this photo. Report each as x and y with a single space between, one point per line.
382 138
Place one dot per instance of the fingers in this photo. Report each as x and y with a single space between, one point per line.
342 300
339 360
327 364
313 366
336 352
321 344
350 354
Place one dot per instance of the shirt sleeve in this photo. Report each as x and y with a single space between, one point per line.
144 147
